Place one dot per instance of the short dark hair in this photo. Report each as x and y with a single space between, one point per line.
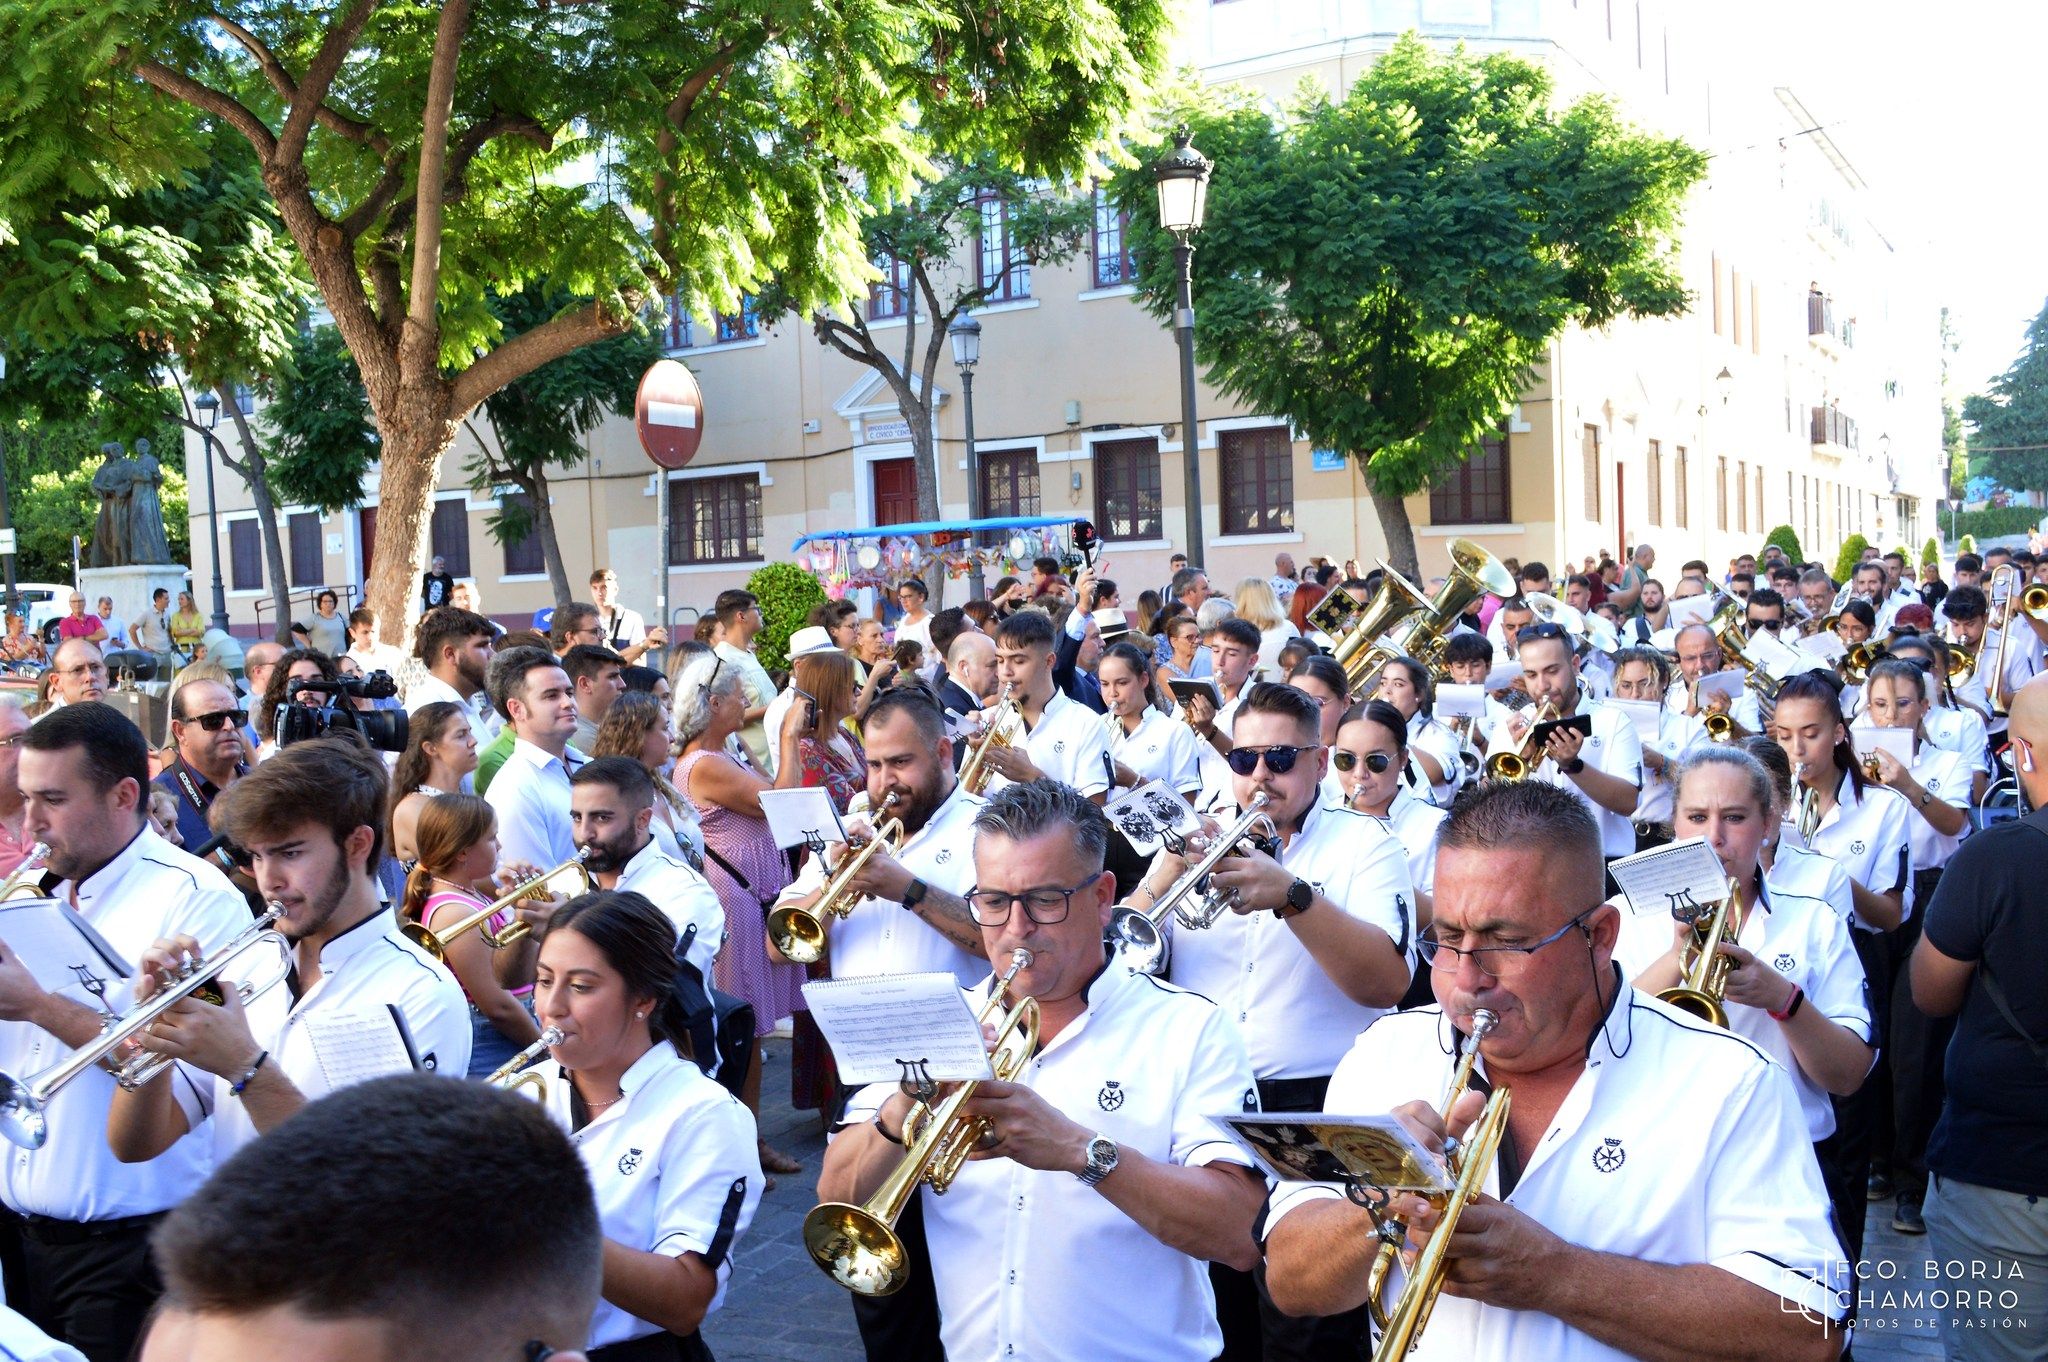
492 1249
1969 562
622 774
1966 603
1868 565
1579 579
327 593
1533 571
1026 629
1692 565
1767 598
732 603
641 679
362 614
1030 808
913 701
1523 813
507 676
1046 566
443 625
334 780
114 747
586 661
1860 611
163 591
1468 647
1184 581
1275 697
569 620
828 614
1749 577
1894 556
947 625
1238 630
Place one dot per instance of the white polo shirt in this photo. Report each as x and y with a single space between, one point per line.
1745 709
1633 1164
674 1166
1677 734
1427 735
1219 787
1946 775
1163 748
531 796
1414 823
369 968
1296 1021
882 937
483 716
1798 934
1960 731
150 889
1614 749
684 897
622 627
1040 1267
1069 745
1871 836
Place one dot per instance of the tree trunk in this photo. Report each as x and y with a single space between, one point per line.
413 449
1399 532
256 474
536 489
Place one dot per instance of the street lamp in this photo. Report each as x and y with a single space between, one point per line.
1182 176
1724 384
965 335
209 410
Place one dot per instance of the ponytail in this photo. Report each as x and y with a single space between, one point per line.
1822 691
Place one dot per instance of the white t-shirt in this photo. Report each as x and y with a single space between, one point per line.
918 632
1442 745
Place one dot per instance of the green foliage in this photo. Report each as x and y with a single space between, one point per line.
1967 544
320 440
1930 552
1849 557
49 484
1386 269
1996 522
2008 436
787 594
1785 539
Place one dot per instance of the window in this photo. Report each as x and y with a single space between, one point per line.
675 332
1681 491
1742 495
1759 500
1002 278
1721 492
245 399
309 567
451 534
1476 491
1735 296
523 557
714 520
1589 454
1113 262
1756 320
1654 459
1127 489
742 325
245 555
1009 482
1720 295
1258 480
889 296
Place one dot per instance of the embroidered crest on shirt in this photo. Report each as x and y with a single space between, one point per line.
629 1162
1784 963
1111 1097
1059 745
1610 1155
1856 848
945 855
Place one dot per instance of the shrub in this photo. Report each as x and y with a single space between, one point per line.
1967 544
787 594
1785 539
1930 552
1849 557
1995 522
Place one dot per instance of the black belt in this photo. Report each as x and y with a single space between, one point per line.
48 1231
1293 1094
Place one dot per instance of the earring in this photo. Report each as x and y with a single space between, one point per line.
639 1016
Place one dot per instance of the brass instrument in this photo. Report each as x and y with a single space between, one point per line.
1367 644
1139 938
1855 664
514 1075
1720 726
2032 601
998 731
1805 805
1471 1159
1962 661
1520 763
1820 624
857 1246
1474 573
30 864
436 943
24 1102
1729 625
1703 973
799 933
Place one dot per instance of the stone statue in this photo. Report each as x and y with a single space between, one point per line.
131 522
147 542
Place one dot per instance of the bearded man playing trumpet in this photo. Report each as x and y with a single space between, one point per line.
1081 1225
1653 1196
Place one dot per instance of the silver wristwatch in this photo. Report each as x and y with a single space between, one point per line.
1101 1160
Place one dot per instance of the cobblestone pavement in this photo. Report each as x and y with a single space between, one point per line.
780 1308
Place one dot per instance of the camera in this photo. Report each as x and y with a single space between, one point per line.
383 729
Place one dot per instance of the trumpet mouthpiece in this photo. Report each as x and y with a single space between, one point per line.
1020 959
1483 1021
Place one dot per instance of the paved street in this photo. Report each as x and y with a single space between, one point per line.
780 1308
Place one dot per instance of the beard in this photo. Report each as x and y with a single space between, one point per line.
915 804
609 858
320 905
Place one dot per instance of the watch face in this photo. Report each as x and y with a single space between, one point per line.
1300 894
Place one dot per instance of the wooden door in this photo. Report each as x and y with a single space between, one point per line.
895 491
366 534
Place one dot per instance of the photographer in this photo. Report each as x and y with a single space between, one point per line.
298 664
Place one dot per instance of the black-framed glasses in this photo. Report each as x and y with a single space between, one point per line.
1495 962
1044 905
1347 762
219 719
1530 633
1773 625
1279 758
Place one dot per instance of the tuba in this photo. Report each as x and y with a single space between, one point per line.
1855 664
799 933
436 943
1519 764
1370 640
1139 938
514 1075
857 1246
1728 625
1703 973
998 731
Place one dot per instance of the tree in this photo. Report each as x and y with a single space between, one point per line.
1387 270
1849 557
426 158
1787 540
1952 443
2009 424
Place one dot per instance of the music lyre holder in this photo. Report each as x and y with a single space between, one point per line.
814 842
916 1081
1684 907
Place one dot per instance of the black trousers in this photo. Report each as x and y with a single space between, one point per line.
904 1325
1845 1155
1918 1049
91 1285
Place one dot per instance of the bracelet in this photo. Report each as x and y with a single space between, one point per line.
241 1083
1791 1008
896 1140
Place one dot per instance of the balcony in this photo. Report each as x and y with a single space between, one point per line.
1822 329
1833 433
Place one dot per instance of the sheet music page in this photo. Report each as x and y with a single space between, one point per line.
879 1024
1503 675
1779 658
354 1046
1644 714
1828 646
1688 610
1664 878
1897 741
1729 683
1454 701
1144 814
800 817
1319 1147
62 950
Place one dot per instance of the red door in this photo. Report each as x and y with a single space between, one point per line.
895 491
1620 519
366 530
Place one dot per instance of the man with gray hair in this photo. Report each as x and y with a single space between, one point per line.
81 674
1102 1189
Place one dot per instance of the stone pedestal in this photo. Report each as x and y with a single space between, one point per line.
131 588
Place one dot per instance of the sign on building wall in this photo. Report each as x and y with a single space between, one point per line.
1326 461
884 432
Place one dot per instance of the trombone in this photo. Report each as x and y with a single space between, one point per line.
2031 601
1470 1160
1702 985
24 1102
1520 763
514 1075
974 770
436 943
857 1246
1139 938
30 864
799 933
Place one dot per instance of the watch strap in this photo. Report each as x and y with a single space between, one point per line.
914 894
1098 1167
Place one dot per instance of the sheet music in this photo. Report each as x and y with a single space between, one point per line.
1454 701
354 1046
1826 645
1665 879
1688 610
1729 683
1644 714
801 817
1897 741
878 1025
1779 658
60 948
1503 675
1319 1147
1144 814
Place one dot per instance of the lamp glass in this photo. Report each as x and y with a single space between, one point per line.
965 334
209 409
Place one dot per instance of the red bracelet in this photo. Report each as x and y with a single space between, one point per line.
1791 1008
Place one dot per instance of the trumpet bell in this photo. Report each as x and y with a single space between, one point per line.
798 934
1138 941
1506 766
1696 1002
856 1248
24 1118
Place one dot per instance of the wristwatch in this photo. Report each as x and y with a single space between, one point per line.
1101 1160
914 895
1574 766
1300 895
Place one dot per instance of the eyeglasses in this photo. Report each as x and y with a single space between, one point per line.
1279 759
1045 905
219 719
83 669
1375 762
1773 625
1495 962
1529 633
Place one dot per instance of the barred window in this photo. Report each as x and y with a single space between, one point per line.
1127 489
714 520
1476 491
1258 480
1009 482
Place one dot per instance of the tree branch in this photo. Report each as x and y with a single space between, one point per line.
529 350
421 331
330 118
319 78
204 97
463 151
854 343
674 117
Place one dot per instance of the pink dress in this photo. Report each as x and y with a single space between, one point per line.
744 843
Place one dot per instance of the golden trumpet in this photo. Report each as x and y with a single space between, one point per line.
997 732
799 933
1703 977
436 943
1518 764
30 864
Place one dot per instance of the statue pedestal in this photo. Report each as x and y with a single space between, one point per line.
131 587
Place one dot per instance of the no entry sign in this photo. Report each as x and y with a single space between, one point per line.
669 414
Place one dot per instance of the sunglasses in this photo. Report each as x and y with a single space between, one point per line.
1528 633
1279 759
1773 625
1346 762
219 719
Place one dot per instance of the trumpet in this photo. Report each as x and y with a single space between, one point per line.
1139 938
1471 1160
1720 726
857 1246
799 933
997 732
436 943
30 864
1521 763
1703 977
24 1102
1805 806
514 1075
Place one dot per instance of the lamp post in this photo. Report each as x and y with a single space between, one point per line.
965 335
1182 176
7 520
209 409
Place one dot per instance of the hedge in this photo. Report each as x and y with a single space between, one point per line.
1930 552
1994 522
1849 557
787 594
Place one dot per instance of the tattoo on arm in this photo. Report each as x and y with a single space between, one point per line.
947 913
